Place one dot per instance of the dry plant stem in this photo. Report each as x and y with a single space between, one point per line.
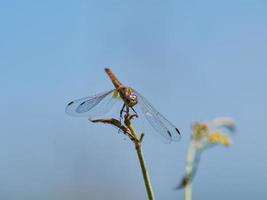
116 123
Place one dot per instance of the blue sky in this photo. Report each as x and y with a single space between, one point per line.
194 60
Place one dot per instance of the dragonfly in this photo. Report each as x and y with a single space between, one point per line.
130 98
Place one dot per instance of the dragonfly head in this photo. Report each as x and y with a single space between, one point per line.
128 96
132 99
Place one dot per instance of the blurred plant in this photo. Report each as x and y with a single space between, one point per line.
127 128
204 135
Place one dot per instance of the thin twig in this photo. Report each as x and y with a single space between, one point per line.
116 123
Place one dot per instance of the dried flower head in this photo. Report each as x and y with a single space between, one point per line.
204 135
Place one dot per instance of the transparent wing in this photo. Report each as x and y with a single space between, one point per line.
93 106
157 120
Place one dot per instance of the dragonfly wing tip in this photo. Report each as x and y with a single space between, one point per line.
70 103
178 131
169 133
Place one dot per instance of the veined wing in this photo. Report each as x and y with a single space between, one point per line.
157 120
92 106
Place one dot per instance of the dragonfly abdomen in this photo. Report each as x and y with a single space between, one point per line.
113 78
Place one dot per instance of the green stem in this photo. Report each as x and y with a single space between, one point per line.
137 141
148 185
138 146
189 170
188 191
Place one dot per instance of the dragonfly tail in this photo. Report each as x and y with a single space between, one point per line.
113 78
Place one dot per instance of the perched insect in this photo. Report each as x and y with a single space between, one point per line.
130 99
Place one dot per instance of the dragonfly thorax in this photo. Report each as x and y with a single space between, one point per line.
128 96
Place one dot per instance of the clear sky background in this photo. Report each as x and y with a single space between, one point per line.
194 60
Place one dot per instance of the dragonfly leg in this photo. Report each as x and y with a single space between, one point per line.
134 111
127 110
121 112
128 115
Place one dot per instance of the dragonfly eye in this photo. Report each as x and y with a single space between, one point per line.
133 97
